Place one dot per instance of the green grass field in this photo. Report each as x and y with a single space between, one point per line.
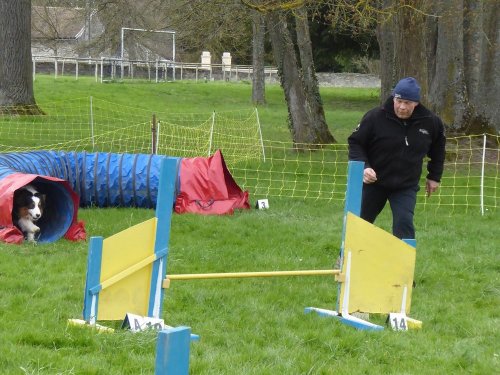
254 326
343 107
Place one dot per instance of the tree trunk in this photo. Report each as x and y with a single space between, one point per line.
314 103
16 80
455 55
402 45
386 41
291 82
482 66
447 94
304 131
258 77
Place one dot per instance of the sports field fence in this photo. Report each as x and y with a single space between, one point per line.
266 168
109 69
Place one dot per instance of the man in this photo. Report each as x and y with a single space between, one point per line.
393 140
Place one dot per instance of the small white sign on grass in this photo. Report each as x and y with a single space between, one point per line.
137 323
262 204
398 322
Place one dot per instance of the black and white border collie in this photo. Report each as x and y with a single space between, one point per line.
28 208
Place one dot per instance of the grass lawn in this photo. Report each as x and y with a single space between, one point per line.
344 107
254 326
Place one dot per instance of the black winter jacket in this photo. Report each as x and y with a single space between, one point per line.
396 148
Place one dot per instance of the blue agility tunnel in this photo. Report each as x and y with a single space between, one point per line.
72 179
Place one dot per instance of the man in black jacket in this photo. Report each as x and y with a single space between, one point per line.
393 140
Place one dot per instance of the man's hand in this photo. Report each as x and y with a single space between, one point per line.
369 176
430 187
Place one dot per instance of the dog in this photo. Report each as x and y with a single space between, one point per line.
28 209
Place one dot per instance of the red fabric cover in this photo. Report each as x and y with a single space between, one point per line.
207 187
11 235
8 185
76 232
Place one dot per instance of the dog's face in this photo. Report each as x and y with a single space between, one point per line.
35 208
29 202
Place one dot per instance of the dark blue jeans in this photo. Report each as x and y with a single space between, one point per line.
402 202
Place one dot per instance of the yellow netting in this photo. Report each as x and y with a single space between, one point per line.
265 168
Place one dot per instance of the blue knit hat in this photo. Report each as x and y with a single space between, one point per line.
407 89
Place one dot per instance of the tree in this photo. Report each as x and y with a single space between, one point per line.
116 14
290 78
53 25
341 43
16 81
297 74
311 86
216 26
258 51
457 45
227 26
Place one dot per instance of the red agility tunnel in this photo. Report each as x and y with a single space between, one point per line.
71 180
60 220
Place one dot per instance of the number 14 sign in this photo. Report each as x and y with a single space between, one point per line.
398 322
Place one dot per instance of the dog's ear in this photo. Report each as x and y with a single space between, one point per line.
22 197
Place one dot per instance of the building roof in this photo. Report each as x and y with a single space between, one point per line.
57 22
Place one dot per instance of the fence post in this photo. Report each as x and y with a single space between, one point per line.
92 124
211 134
156 71
482 174
102 67
260 135
153 134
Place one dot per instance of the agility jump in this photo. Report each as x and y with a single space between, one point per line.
127 272
377 269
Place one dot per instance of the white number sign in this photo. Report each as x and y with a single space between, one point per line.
137 323
262 204
398 322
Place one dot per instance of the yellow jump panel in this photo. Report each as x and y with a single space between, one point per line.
120 255
381 266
